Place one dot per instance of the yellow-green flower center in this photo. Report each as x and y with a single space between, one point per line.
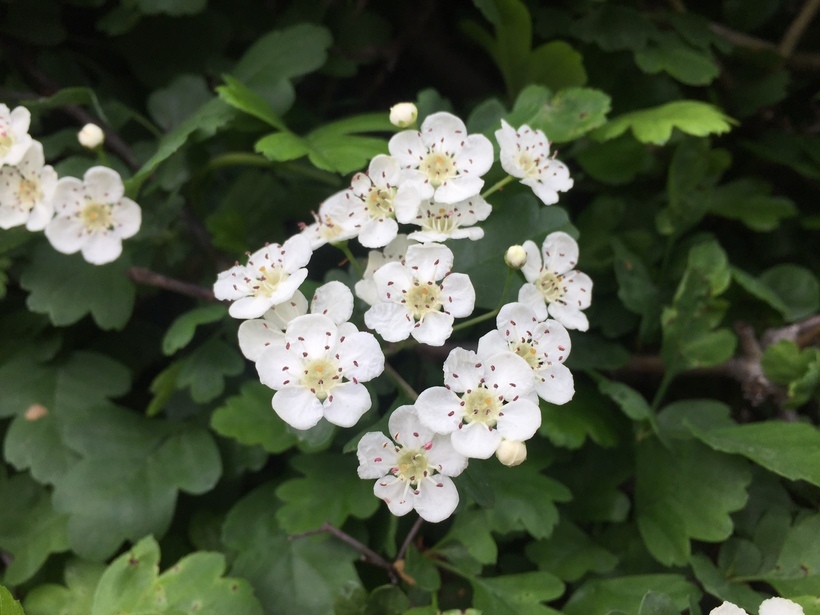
320 377
97 217
423 299
269 280
528 164
527 351
440 222
379 202
412 466
481 406
551 286
29 192
438 168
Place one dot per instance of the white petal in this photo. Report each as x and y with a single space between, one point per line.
443 132
296 253
391 321
463 370
476 157
256 335
384 170
392 279
396 494
530 296
33 161
491 343
517 322
407 429
127 217
102 248
298 407
555 384
279 366
249 307
780 606
279 315
445 458
103 185
408 148
406 202
65 235
458 189
570 317
476 440
378 233
377 455
560 252
521 420
360 356
458 295
532 268
430 261
578 290
727 608
439 410
366 291
434 329
346 404
312 336
508 375
334 300
436 500
68 196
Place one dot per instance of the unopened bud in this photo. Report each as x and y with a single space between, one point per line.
511 453
403 114
91 136
515 257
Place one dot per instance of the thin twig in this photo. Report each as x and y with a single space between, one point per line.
143 275
797 27
800 61
401 382
409 538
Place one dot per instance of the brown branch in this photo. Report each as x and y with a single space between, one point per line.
409 538
797 27
143 275
799 61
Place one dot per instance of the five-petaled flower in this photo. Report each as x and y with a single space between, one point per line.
483 400
440 222
14 137
443 158
93 216
271 277
553 286
413 473
525 154
414 302
317 370
27 190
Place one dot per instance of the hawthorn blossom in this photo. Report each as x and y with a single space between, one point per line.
333 299
414 472
377 199
440 222
27 190
553 286
318 371
14 137
525 154
446 160
543 345
771 606
93 216
511 453
330 223
392 252
414 302
484 400
272 276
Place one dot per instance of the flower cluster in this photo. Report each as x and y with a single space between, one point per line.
91 216
317 361
771 606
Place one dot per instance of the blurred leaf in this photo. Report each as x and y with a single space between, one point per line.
758 289
800 153
471 528
749 201
636 288
30 529
556 65
8 605
516 594
329 492
654 603
75 598
172 105
614 28
669 53
796 286
172 7
654 125
387 600
422 570
800 556
236 94
66 288
626 593
633 159
563 116
205 369
570 554
588 415
631 403
715 583
250 419
68 96
182 330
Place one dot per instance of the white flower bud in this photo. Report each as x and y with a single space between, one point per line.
511 453
515 257
403 114
91 136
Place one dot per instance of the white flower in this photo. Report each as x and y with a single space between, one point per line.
93 216
271 277
379 199
440 222
543 345
483 401
553 282
413 473
444 158
91 136
511 453
27 190
403 114
333 300
332 222
772 606
393 252
525 154
14 137
413 302
318 371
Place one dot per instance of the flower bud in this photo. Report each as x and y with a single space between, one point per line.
403 114
511 453
515 257
91 136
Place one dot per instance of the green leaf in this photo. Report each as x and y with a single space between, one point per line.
627 593
172 105
182 330
749 200
75 598
796 286
614 28
330 491
785 361
471 528
633 158
636 288
563 116
556 65
758 289
588 416
800 556
716 583
422 570
524 499
516 594
685 491
250 419
66 288
65 97
791 450
631 403
669 53
238 95
387 600
654 125
570 554
131 584
8 605
205 369
654 603
282 146
29 528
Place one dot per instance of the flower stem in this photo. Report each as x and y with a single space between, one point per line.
400 382
342 245
666 380
497 186
409 539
